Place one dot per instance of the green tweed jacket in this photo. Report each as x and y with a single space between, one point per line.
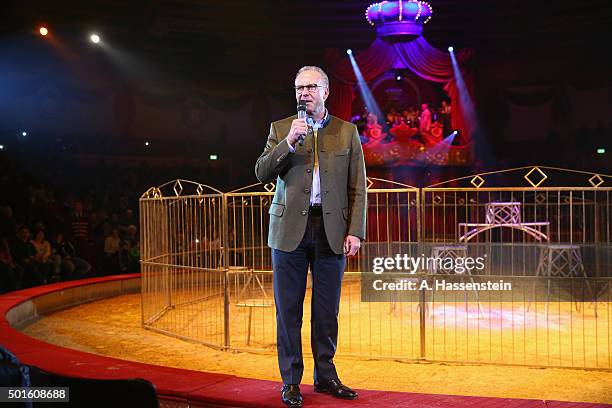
343 183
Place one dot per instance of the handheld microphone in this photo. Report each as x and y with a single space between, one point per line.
301 114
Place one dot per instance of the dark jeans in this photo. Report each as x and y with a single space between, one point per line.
74 268
290 273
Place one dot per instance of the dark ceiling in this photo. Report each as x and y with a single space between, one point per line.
240 35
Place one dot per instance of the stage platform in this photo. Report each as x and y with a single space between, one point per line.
182 387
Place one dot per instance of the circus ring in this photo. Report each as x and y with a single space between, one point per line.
229 376
176 387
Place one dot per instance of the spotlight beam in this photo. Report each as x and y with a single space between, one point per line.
467 104
365 91
481 146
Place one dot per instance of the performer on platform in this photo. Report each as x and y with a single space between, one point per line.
445 117
425 121
373 130
317 218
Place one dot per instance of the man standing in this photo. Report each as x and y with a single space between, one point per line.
317 218
425 120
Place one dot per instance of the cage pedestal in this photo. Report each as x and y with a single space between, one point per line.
562 260
453 252
503 214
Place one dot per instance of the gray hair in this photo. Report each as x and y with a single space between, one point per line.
317 69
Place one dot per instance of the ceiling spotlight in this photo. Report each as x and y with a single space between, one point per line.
451 49
1 147
146 143
43 31
95 38
399 77
24 133
349 51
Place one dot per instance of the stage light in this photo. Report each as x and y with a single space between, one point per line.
213 157
451 49
43 31
95 38
146 143
24 134
1 147
601 150
349 51
399 77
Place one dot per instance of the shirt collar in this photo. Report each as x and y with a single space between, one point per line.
321 123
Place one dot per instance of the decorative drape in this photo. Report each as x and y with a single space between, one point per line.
419 56
377 59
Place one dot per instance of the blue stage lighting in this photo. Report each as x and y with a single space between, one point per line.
451 49
349 51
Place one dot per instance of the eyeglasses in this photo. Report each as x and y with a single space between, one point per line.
310 88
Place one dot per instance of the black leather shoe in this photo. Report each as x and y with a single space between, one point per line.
290 395
336 389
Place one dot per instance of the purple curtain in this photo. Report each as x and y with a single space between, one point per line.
419 56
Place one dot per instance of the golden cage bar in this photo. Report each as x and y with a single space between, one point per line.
207 271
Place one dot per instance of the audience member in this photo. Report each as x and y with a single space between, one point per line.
24 255
72 267
48 266
112 245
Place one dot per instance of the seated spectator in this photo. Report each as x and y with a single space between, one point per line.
125 220
132 235
392 117
23 254
72 267
112 245
48 265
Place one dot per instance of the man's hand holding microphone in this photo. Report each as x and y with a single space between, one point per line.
298 131
299 127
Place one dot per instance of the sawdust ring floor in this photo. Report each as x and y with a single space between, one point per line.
111 327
